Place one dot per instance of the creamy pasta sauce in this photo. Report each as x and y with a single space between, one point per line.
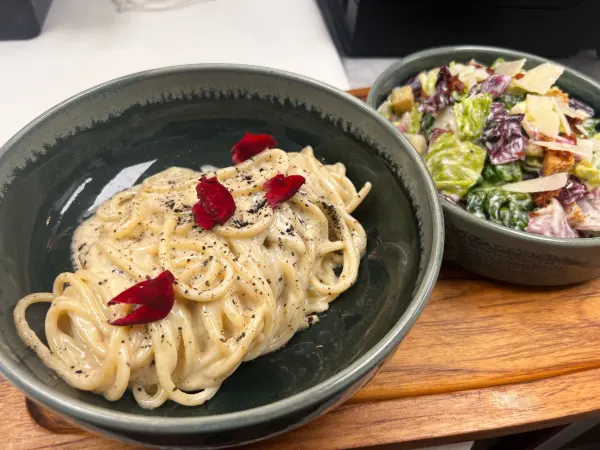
242 289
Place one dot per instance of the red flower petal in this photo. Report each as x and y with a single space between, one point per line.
201 217
215 205
251 145
143 314
281 188
155 297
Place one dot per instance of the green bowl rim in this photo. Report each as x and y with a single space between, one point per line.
105 417
449 206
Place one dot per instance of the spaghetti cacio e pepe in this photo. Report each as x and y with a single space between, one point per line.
242 289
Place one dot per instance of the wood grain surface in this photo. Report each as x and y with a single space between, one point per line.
484 359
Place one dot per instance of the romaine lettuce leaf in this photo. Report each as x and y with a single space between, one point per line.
428 81
414 121
507 173
470 115
588 173
385 109
510 100
589 126
427 124
454 165
496 205
496 63
533 165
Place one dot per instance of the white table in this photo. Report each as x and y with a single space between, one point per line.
87 42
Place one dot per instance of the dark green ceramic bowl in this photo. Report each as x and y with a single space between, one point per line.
56 170
483 247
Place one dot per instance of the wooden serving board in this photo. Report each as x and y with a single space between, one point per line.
484 359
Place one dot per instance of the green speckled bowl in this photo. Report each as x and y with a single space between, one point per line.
56 170
486 248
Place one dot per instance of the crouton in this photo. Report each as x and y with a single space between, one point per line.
574 215
561 96
402 99
542 199
556 161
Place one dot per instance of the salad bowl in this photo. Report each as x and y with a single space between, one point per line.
481 246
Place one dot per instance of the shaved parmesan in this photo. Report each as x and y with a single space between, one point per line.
553 145
519 108
458 68
576 113
540 115
469 75
581 129
564 123
481 74
422 78
541 78
542 184
468 78
536 103
510 68
584 147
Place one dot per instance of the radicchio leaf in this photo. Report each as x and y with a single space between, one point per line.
215 203
563 138
441 96
502 136
574 190
495 85
550 221
415 85
578 104
154 296
590 209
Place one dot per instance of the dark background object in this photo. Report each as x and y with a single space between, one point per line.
22 19
384 28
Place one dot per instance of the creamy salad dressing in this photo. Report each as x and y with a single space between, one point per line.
242 289
505 144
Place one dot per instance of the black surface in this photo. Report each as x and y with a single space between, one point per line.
22 19
383 28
